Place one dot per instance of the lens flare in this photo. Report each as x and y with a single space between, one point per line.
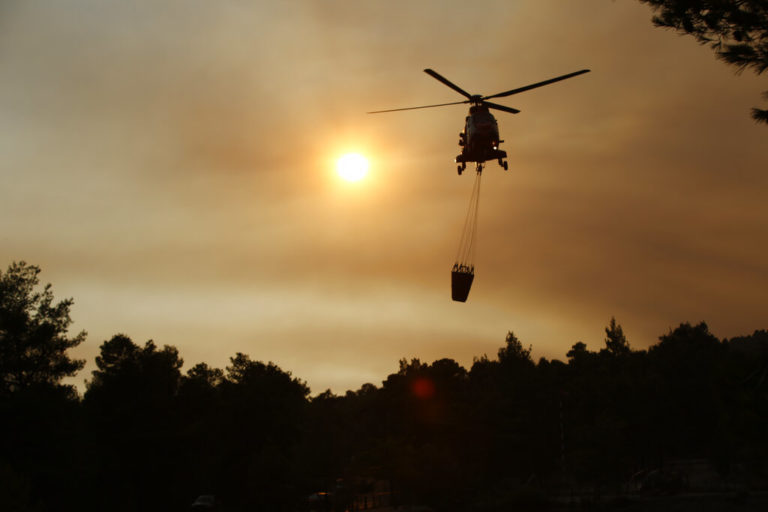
423 388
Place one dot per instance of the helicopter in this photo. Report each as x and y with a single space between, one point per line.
480 140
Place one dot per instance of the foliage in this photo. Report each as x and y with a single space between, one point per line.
33 332
514 352
129 376
737 30
505 433
442 435
39 436
615 341
129 405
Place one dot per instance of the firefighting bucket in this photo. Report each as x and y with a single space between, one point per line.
461 282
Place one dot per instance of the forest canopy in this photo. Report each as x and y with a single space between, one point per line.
507 430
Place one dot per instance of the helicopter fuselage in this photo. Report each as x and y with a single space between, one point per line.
480 139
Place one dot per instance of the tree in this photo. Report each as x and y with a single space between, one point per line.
40 439
136 374
205 375
33 333
737 30
688 365
262 416
133 423
514 352
199 388
578 351
615 341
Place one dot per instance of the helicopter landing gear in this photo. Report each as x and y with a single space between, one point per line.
460 168
479 167
503 163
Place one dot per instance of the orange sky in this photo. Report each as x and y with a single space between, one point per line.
170 167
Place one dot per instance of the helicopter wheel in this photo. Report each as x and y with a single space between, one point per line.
505 166
459 169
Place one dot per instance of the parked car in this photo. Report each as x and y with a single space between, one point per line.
205 502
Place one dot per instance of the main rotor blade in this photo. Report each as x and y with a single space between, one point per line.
437 76
501 107
414 108
538 84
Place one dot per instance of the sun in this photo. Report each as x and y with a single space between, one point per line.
352 167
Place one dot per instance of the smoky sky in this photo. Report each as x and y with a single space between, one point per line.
170 167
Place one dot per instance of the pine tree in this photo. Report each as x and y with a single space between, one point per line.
33 332
737 30
615 341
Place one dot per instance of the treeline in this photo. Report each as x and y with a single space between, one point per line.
147 436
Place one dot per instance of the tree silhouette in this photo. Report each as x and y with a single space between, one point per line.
578 351
127 374
615 341
33 332
503 435
514 352
39 432
204 375
737 30
130 403
263 411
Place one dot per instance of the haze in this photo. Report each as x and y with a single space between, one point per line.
171 166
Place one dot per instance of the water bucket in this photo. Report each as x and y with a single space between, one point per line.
461 282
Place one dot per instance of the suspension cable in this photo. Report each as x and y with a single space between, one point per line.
468 241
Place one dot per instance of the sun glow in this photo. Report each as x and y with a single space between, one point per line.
352 167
